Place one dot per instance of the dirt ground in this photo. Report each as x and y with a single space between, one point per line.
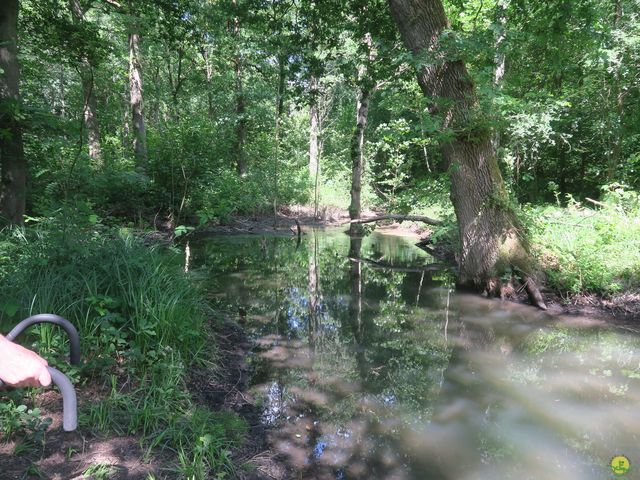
78 455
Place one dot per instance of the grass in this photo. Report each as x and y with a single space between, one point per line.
142 323
583 249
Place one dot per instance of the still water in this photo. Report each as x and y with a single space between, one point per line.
369 366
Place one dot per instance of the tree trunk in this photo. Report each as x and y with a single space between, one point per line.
13 166
135 98
357 154
616 149
90 108
209 76
314 130
491 240
500 58
279 109
241 120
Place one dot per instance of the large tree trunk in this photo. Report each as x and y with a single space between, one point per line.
13 166
135 98
90 108
491 240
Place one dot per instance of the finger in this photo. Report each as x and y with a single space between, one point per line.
45 378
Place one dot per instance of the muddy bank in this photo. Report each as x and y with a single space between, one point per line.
227 389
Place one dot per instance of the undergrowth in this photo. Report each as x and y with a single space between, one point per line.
141 322
589 247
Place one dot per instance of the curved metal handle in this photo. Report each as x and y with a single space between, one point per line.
74 338
69 399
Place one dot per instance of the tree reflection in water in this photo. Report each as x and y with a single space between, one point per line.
367 367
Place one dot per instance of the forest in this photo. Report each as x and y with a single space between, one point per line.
505 132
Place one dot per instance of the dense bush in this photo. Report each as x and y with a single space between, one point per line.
141 322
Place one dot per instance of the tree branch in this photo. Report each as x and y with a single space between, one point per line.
411 218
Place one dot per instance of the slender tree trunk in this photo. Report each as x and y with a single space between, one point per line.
90 107
135 98
314 134
62 93
357 155
500 58
616 150
279 109
491 239
241 120
126 117
13 165
209 77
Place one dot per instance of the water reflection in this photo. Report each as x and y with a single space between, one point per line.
368 366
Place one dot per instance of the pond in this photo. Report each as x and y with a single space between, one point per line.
369 365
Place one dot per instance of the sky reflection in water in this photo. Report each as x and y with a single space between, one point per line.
369 367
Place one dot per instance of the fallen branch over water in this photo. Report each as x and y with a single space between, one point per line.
432 267
411 218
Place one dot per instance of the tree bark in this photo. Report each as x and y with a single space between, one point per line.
241 120
357 153
13 166
136 98
314 144
209 76
358 140
490 235
616 149
279 110
90 106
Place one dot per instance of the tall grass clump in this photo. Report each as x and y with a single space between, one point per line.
590 247
141 321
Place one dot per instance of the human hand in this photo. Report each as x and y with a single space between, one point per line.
20 367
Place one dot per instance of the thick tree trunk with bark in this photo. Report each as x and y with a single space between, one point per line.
13 167
135 98
491 240
90 107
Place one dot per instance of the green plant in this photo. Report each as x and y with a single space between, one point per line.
19 419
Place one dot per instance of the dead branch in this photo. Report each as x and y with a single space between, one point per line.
411 218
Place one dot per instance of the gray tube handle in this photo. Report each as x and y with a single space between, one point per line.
69 399
74 338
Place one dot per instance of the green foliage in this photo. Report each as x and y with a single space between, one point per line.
19 419
141 321
582 249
